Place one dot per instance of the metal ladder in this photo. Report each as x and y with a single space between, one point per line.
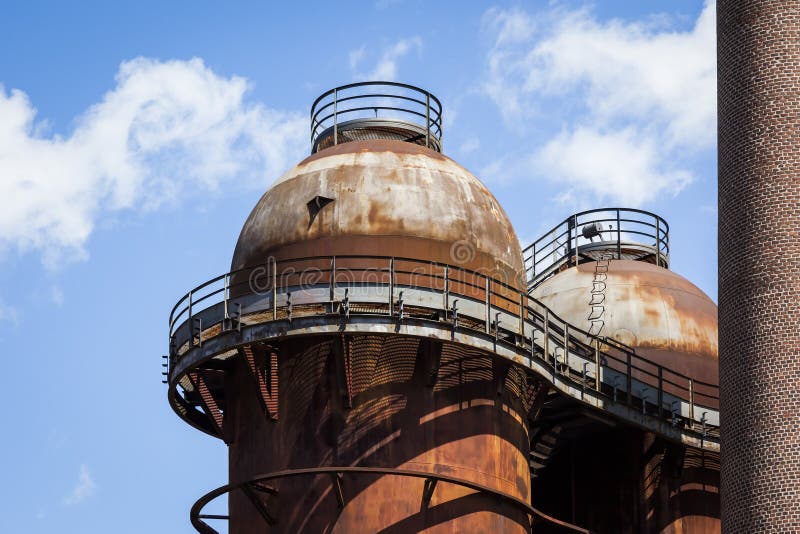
598 294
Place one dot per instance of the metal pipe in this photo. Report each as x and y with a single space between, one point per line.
691 400
619 237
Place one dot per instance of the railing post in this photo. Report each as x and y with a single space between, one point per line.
274 289
547 335
629 380
335 118
332 283
191 321
568 252
391 286
619 236
427 119
225 288
575 224
660 391
658 243
566 345
597 364
522 317
446 291
441 131
488 303
691 401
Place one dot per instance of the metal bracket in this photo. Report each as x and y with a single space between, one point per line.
266 378
502 369
496 326
233 322
165 372
248 490
400 307
643 395
344 305
336 480
197 334
208 401
427 492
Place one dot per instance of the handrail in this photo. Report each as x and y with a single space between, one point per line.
627 228
523 316
408 100
196 516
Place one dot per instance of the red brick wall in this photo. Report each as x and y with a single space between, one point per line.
759 263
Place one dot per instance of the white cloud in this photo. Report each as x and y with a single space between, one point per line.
7 313
618 166
356 56
166 129
84 488
385 69
644 92
470 145
57 295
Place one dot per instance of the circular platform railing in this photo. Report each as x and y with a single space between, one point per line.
376 110
258 485
605 233
422 298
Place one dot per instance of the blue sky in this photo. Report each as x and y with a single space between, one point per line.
136 137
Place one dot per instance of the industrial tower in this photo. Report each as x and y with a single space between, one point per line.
382 356
759 263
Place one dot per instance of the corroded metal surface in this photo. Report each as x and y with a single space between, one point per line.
376 401
387 196
666 318
624 481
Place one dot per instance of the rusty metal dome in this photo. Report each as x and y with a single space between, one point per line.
659 313
382 197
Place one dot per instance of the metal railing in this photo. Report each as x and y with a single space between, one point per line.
348 287
366 104
620 232
259 485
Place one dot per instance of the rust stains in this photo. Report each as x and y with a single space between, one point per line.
391 192
661 314
373 145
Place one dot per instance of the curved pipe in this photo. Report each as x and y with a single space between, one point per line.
204 528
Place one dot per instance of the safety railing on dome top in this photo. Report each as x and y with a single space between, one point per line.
376 105
358 287
622 233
